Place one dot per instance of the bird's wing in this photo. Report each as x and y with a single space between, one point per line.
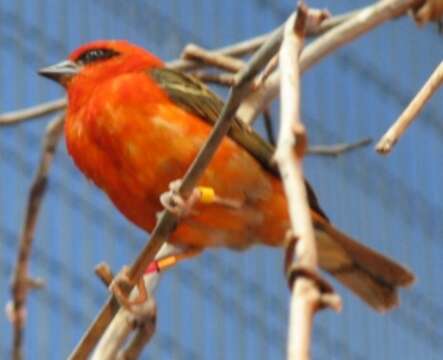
195 97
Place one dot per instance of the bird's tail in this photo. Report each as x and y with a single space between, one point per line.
370 275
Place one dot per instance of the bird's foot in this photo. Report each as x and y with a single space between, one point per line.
122 281
175 203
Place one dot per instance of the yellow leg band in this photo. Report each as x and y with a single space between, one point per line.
207 194
166 262
171 260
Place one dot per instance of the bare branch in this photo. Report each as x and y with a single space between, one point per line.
224 62
337 149
292 133
15 117
104 273
224 79
269 126
21 282
306 292
411 112
251 45
330 22
365 20
430 10
268 70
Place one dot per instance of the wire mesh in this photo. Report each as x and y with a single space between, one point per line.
228 305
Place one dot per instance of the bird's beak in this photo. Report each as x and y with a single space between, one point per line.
60 72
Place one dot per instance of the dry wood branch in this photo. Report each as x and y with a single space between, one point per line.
251 45
168 220
337 149
224 79
268 70
430 10
15 117
104 273
21 280
329 22
411 112
220 61
235 50
363 21
306 290
269 126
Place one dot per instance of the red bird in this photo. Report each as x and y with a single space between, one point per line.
133 126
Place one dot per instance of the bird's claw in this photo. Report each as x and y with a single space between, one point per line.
174 202
120 281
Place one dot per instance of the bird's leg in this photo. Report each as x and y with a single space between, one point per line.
166 262
175 203
122 280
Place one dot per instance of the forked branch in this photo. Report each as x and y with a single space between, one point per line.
22 282
351 28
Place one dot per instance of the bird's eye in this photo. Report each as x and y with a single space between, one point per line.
96 55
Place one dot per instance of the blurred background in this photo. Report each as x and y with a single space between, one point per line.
227 305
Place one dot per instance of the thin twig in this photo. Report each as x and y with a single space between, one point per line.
249 46
15 117
306 293
337 149
221 61
104 273
269 126
224 79
363 21
314 26
292 134
411 112
268 70
21 279
168 220
330 23
430 10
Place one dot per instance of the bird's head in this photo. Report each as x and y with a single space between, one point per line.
99 60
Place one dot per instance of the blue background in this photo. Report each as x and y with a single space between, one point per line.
224 304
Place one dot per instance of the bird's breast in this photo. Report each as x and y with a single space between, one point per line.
133 153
